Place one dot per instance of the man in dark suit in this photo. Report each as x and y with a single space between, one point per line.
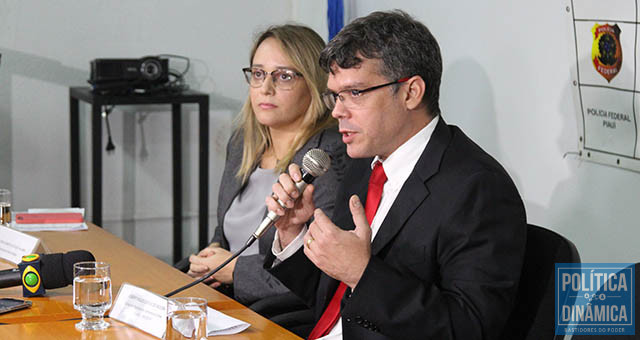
436 250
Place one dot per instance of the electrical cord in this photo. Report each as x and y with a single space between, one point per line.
177 84
186 69
314 163
209 274
174 86
105 114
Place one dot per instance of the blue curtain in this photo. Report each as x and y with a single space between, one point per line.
335 16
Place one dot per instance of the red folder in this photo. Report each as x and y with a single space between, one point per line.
48 218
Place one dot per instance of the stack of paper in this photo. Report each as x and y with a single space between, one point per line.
30 222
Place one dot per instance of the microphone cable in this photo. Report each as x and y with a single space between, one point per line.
209 274
314 164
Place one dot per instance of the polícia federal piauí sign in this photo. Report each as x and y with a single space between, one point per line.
595 298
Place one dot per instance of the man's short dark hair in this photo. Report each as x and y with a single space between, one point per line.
404 45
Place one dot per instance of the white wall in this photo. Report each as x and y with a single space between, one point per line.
506 82
46 47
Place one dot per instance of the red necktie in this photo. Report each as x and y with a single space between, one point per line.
332 313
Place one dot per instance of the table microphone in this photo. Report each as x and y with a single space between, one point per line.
315 163
55 270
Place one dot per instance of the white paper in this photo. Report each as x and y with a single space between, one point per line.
52 226
185 326
147 311
222 324
55 210
14 244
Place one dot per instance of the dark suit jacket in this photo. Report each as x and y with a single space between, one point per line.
251 281
446 261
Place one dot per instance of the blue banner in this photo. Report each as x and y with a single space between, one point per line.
595 298
335 17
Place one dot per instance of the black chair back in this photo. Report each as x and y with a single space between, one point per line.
534 314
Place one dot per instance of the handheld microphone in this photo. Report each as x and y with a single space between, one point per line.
48 271
315 163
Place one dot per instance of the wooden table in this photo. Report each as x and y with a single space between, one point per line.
51 317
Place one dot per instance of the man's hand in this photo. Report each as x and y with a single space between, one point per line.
210 258
341 254
298 212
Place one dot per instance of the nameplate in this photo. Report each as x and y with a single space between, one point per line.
147 311
15 244
141 309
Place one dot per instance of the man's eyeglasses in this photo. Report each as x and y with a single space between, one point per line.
283 79
352 98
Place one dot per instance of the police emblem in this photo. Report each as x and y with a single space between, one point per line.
606 51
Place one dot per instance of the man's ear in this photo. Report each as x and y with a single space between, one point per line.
416 88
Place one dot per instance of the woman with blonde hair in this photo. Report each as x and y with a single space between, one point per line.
281 120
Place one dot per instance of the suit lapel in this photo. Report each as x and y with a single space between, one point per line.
415 190
355 181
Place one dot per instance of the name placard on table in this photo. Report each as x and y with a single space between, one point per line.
147 311
14 244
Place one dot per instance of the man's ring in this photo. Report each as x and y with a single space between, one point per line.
309 240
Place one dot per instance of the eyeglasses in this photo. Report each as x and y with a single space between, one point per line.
283 79
352 98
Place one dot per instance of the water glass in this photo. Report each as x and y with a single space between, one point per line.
5 207
92 294
186 319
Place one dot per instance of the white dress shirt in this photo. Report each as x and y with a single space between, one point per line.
398 166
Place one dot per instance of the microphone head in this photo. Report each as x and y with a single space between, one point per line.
316 162
56 270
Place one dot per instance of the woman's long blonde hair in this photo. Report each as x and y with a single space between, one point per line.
303 46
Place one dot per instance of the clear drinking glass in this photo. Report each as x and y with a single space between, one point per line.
186 319
92 293
5 207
